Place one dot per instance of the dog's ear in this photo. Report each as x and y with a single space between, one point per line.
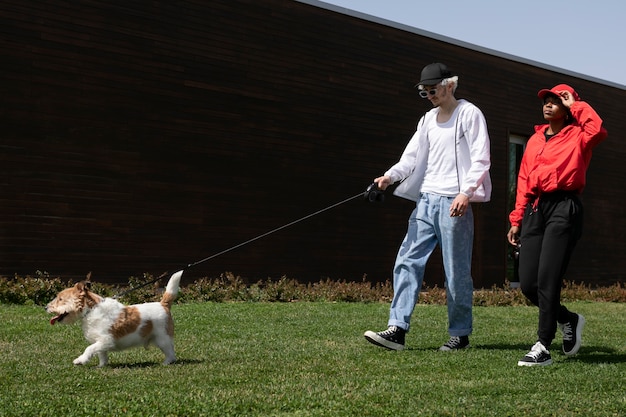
87 281
83 286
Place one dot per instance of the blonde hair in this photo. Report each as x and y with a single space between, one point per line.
452 80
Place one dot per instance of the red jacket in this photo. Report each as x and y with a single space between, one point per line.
559 164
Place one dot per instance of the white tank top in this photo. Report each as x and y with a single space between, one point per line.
441 175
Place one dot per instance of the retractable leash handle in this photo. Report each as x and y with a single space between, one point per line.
371 194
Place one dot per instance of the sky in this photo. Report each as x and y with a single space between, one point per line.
581 36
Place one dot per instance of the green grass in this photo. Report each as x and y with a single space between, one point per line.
310 359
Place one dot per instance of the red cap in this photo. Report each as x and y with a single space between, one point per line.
557 90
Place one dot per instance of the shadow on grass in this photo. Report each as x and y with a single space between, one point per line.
504 346
139 365
598 355
587 354
435 348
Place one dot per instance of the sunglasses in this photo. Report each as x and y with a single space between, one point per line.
425 93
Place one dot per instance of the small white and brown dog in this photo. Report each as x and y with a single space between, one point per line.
110 325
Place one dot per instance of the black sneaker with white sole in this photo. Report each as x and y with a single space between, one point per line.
392 338
455 343
538 356
572 334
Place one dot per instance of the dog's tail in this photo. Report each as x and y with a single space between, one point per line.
171 291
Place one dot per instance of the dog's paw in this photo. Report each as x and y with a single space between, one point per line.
80 361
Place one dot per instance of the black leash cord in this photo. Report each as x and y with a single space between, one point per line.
274 231
243 243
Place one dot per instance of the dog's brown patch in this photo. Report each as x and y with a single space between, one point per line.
127 322
167 300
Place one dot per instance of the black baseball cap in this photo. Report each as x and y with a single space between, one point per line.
434 73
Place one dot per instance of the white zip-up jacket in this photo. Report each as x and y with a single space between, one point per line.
473 155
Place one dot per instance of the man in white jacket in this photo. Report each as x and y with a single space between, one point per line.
444 168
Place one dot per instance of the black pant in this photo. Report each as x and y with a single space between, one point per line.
550 230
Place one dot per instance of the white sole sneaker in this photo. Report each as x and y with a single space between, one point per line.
375 339
544 363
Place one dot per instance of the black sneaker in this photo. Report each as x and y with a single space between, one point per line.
572 334
392 338
538 356
455 343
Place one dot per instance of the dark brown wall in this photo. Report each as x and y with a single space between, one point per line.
144 136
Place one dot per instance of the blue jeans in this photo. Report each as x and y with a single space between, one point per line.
430 224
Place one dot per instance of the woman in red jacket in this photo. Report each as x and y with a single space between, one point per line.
549 215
